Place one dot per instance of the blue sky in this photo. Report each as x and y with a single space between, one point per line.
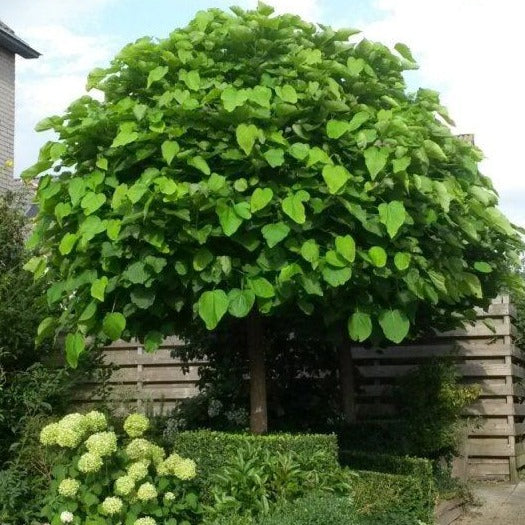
469 50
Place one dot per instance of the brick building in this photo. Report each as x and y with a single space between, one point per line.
10 46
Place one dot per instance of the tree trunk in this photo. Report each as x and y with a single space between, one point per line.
347 380
256 342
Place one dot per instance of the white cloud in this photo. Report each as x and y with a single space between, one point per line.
471 51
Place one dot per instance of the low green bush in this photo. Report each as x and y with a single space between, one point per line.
314 509
213 450
380 494
255 481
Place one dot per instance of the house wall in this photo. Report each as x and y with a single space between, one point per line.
7 117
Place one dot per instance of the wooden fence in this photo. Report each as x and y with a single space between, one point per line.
485 354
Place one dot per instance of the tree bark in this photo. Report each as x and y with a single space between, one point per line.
347 380
256 342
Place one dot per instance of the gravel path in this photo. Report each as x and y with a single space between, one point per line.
497 504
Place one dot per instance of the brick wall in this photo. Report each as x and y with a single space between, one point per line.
7 116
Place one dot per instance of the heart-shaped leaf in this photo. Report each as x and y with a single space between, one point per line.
392 215
98 288
246 135
169 149
212 306
91 202
275 233
228 218
261 197
375 160
75 345
345 246
262 287
377 256
395 325
360 326
402 260
240 302
113 325
335 177
293 206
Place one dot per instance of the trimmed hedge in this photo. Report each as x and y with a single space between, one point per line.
382 496
212 450
314 509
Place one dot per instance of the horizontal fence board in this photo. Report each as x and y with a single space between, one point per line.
489 449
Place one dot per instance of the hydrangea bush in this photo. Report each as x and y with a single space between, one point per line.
113 479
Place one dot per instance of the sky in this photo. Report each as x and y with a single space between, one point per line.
471 51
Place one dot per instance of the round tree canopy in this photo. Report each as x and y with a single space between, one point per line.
251 162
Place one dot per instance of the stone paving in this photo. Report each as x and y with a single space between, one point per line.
496 504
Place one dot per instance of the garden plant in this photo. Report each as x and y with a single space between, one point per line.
253 166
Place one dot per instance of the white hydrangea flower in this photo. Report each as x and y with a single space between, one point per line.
185 469
146 492
135 425
102 443
139 448
68 487
124 485
89 462
157 454
96 421
145 521
169 496
66 516
138 470
112 505
49 434
68 437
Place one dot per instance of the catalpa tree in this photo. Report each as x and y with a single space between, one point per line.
249 165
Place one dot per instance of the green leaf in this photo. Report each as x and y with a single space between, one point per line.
75 345
67 243
216 182
392 215
333 258
142 297
119 196
401 164
345 246
355 65
377 256
76 189
91 202
261 95
157 74
310 251
287 93
152 341
102 163
395 325
98 288
336 276
246 135
113 229
275 233
402 260
262 287
199 163
358 120
240 302
404 51
274 157
212 307
136 192
201 259
473 284
139 110
62 209
126 135
45 329
193 80
482 267
169 148
359 326
260 198
89 312
228 219
233 98
335 177
136 273
434 151
299 150
336 128
375 160
113 325
316 155
293 206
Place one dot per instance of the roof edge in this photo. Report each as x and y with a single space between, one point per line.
16 45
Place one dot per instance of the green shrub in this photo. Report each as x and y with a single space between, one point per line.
213 450
381 494
255 480
314 509
105 480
